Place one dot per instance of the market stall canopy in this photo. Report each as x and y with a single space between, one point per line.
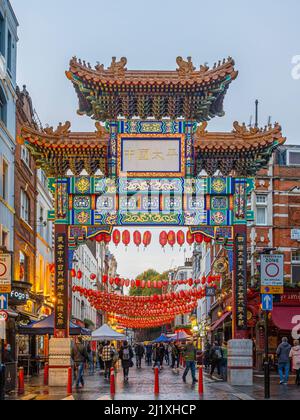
46 327
286 318
180 336
220 321
162 339
107 333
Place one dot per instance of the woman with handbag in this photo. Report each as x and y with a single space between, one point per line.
126 356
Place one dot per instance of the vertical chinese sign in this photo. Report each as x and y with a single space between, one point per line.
241 281
61 279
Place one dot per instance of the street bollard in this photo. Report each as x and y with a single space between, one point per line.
156 381
46 374
70 381
112 382
201 384
21 384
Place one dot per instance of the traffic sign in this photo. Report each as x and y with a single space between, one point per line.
272 274
267 302
272 290
3 302
3 316
5 273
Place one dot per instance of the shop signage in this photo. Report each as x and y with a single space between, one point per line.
19 297
5 273
272 274
210 292
241 281
61 283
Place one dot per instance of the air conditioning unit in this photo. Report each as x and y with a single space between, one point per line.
2 67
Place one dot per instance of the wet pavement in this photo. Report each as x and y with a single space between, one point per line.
141 388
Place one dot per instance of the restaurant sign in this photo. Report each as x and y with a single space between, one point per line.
241 281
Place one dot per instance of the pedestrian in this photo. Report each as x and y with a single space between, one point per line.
100 363
216 357
157 356
175 354
91 359
295 356
167 354
206 358
139 354
190 357
162 352
107 357
126 356
149 352
115 357
283 354
80 358
224 361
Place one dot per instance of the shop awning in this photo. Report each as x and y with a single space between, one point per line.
220 321
286 318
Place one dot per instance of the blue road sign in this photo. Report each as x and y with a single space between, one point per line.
3 302
267 302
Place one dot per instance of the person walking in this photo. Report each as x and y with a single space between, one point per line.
224 361
295 356
80 358
107 357
283 354
162 352
206 358
216 357
190 357
126 356
167 354
175 354
149 352
156 356
139 354
91 360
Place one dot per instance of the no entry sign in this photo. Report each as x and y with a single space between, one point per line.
5 273
272 274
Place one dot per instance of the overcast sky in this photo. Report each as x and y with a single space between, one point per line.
262 35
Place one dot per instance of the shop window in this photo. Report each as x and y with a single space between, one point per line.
3 107
261 209
4 186
296 267
24 266
25 207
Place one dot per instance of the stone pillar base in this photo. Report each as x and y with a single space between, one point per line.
59 361
240 362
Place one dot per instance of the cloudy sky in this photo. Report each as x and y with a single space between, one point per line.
262 35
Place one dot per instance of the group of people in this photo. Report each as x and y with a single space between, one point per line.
287 354
215 357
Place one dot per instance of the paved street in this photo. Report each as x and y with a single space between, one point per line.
141 387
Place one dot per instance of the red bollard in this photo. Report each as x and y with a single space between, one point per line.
112 382
201 384
46 374
156 381
70 381
21 384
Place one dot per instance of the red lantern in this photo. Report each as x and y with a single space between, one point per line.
137 238
180 238
106 238
93 277
100 238
147 238
190 238
116 237
171 238
104 278
79 275
138 283
73 273
198 238
126 237
163 239
149 284
127 283
207 240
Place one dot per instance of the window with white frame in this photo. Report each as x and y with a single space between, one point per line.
261 209
293 157
25 207
25 156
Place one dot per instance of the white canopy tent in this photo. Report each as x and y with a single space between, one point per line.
106 333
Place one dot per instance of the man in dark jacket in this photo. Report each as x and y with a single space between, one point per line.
139 354
149 352
283 353
190 357
216 357
80 358
126 356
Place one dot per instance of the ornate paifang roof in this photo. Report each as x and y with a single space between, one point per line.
106 94
60 150
243 151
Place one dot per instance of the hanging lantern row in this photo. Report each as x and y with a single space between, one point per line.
171 238
120 282
79 275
